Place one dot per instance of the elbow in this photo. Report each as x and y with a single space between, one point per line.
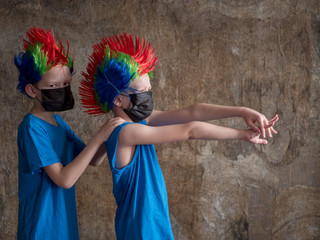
66 184
60 176
94 164
191 132
97 162
197 130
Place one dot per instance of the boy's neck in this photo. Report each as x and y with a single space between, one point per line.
44 115
118 112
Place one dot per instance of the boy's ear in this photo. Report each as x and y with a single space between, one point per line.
30 90
118 101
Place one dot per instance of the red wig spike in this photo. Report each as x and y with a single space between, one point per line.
54 52
142 52
86 89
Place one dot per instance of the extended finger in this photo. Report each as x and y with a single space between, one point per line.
269 132
274 119
261 126
261 141
273 130
269 125
272 122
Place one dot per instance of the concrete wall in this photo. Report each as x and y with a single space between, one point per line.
261 54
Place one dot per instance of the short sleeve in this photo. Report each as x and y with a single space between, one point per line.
79 145
38 148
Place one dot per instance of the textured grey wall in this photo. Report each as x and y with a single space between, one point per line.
262 54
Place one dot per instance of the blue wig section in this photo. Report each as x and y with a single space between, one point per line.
28 70
112 77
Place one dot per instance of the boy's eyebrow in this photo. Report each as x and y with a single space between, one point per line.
58 81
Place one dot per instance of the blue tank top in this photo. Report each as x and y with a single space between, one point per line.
140 193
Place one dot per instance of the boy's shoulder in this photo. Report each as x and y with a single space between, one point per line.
121 127
29 120
114 137
32 121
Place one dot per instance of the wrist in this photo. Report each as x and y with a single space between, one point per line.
97 138
244 134
241 111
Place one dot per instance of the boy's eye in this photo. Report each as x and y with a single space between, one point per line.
55 85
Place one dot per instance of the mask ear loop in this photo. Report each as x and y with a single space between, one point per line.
119 93
36 96
111 83
37 89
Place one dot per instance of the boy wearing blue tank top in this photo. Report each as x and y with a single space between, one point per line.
118 79
51 156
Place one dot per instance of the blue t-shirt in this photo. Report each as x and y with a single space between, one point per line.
140 192
46 211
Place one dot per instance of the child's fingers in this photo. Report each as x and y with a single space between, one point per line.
269 132
272 122
114 122
253 126
262 128
269 125
273 130
274 119
257 140
117 121
262 141
254 138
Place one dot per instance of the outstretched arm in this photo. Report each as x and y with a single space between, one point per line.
138 134
207 112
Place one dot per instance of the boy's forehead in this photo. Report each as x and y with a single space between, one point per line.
141 83
56 74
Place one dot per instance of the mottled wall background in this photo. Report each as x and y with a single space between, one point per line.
262 54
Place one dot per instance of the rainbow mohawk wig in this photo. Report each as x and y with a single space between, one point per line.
41 54
142 52
115 62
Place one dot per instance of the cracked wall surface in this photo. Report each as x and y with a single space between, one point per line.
261 54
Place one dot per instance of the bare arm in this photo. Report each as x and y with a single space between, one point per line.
99 156
207 112
137 134
66 176
196 112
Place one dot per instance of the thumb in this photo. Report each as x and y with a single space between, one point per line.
253 127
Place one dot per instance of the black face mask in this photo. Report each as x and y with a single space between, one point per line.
141 106
56 100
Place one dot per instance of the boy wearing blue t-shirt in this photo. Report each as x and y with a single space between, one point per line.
51 156
118 78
